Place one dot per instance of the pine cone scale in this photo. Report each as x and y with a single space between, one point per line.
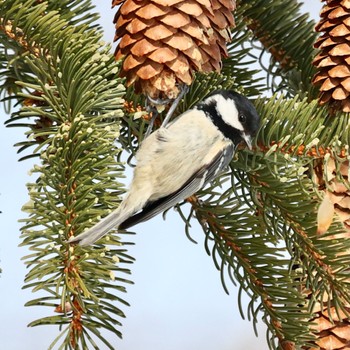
130 6
180 41
346 4
195 55
228 4
176 19
341 50
159 32
195 32
136 25
191 8
180 66
338 13
151 10
133 61
149 70
329 61
163 55
340 30
346 84
340 71
144 47
204 21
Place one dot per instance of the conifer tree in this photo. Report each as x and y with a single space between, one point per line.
276 223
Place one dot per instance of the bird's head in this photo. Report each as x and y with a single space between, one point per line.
233 114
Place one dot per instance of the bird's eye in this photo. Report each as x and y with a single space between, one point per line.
242 118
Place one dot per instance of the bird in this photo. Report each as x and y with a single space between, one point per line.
180 158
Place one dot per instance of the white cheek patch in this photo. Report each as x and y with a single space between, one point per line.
228 111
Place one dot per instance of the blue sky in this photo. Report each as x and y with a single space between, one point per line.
177 301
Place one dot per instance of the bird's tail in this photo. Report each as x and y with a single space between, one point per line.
113 220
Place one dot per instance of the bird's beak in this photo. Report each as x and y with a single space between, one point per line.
248 140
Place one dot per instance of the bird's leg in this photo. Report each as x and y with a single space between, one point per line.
154 102
154 112
152 108
183 91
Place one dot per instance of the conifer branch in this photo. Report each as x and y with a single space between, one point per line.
72 104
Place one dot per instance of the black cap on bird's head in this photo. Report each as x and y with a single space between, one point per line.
233 114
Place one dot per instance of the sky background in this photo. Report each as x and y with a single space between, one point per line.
177 301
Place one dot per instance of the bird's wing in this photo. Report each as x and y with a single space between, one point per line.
204 175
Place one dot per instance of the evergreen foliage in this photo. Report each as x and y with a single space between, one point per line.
71 105
259 218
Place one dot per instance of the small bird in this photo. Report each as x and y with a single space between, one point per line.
178 159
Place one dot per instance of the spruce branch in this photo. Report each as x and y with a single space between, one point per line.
76 13
237 256
288 38
72 103
254 219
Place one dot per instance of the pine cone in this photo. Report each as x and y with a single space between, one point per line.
165 41
336 200
333 62
331 327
